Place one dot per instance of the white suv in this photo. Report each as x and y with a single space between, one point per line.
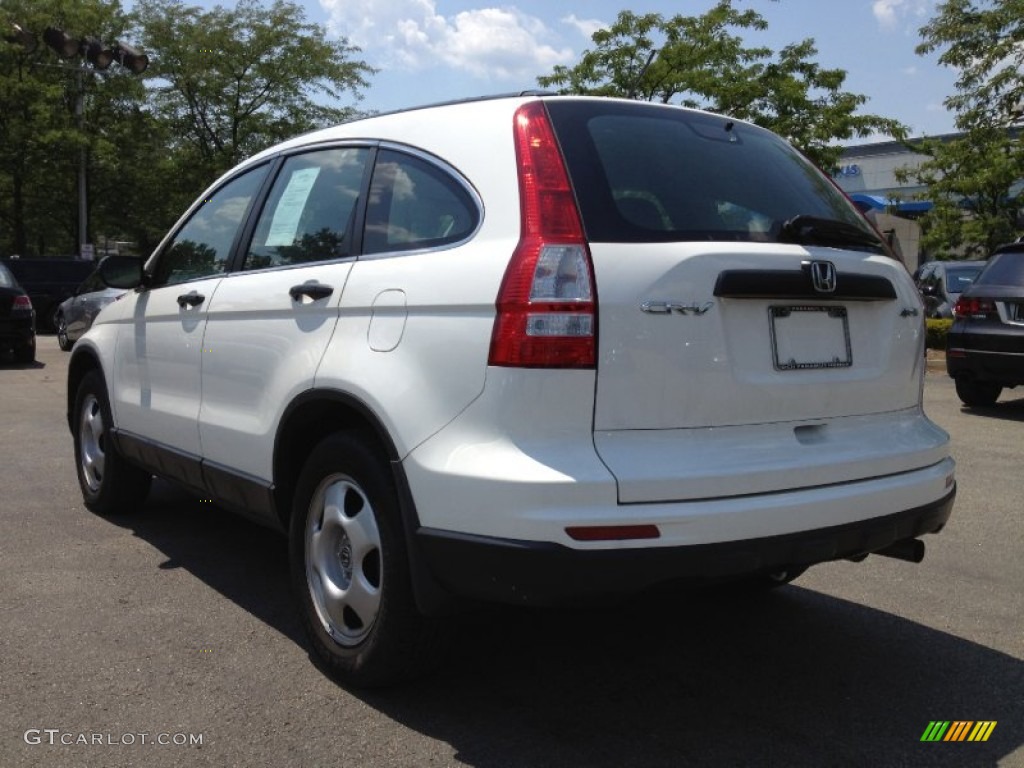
524 349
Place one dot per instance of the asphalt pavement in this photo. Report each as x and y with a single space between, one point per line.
169 638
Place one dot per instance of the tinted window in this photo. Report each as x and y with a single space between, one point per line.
414 204
92 283
311 210
6 278
958 279
644 173
202 247
1003 269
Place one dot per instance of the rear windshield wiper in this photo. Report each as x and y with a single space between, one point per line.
811 230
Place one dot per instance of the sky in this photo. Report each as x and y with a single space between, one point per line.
435 50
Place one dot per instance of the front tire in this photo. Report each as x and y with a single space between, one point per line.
110 485
62 333
350 568
977 393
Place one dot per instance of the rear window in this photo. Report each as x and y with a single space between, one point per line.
6 278
648 173
958 279
1003 269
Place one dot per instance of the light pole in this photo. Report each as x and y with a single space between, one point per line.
90 52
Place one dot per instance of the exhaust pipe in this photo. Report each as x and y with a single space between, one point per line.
911 550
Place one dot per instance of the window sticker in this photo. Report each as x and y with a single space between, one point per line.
289 209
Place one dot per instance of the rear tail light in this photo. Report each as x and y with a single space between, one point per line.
547 304
975 308
22 304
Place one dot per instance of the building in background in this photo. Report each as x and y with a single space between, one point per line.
867 173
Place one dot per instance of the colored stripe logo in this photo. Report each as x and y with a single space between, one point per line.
958 730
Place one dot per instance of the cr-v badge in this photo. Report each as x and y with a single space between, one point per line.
671 307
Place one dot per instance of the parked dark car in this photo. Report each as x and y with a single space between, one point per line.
985 347
48 282
942 282
17 319
75 314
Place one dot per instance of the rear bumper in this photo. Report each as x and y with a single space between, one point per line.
17 331
993 353
539 573
1005 368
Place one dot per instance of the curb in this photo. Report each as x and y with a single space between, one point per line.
936 360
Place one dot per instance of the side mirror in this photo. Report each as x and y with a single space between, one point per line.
121 272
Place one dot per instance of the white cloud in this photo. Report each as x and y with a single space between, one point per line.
501 43
889 13
586 27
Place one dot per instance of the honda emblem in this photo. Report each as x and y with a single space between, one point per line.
823 276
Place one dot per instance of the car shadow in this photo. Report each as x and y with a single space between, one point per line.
8 362
1007 409
792 677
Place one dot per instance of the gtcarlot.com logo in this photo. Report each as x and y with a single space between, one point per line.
57 737
958 730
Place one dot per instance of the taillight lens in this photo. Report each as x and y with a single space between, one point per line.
975 308
547 303
22 304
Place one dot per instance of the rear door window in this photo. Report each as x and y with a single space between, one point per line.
643 173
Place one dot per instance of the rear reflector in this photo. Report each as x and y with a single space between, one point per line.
546 307
613 532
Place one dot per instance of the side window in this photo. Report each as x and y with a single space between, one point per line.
202 247
91 284
414 204
310 212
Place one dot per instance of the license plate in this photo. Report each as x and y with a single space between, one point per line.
809 337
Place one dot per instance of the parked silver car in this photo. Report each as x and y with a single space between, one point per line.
75 314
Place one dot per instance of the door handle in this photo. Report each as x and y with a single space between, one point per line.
190 299
312 289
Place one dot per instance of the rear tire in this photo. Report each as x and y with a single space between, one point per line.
975 393
110 485
350 568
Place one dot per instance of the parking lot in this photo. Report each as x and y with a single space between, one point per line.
169 638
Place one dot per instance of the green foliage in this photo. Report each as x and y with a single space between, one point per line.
973 180
222 84
936 331
40 135
983 41
229 83
701 61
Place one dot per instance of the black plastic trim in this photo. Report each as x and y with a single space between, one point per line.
797 285
244 495
541 573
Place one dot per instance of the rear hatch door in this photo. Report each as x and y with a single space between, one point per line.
755 335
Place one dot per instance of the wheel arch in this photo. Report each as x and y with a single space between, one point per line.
310 418
83 360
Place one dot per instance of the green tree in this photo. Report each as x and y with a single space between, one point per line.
41 137
972 182
974 179
983 40
230 82
703 61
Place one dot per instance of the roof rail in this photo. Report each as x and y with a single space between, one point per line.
450 102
